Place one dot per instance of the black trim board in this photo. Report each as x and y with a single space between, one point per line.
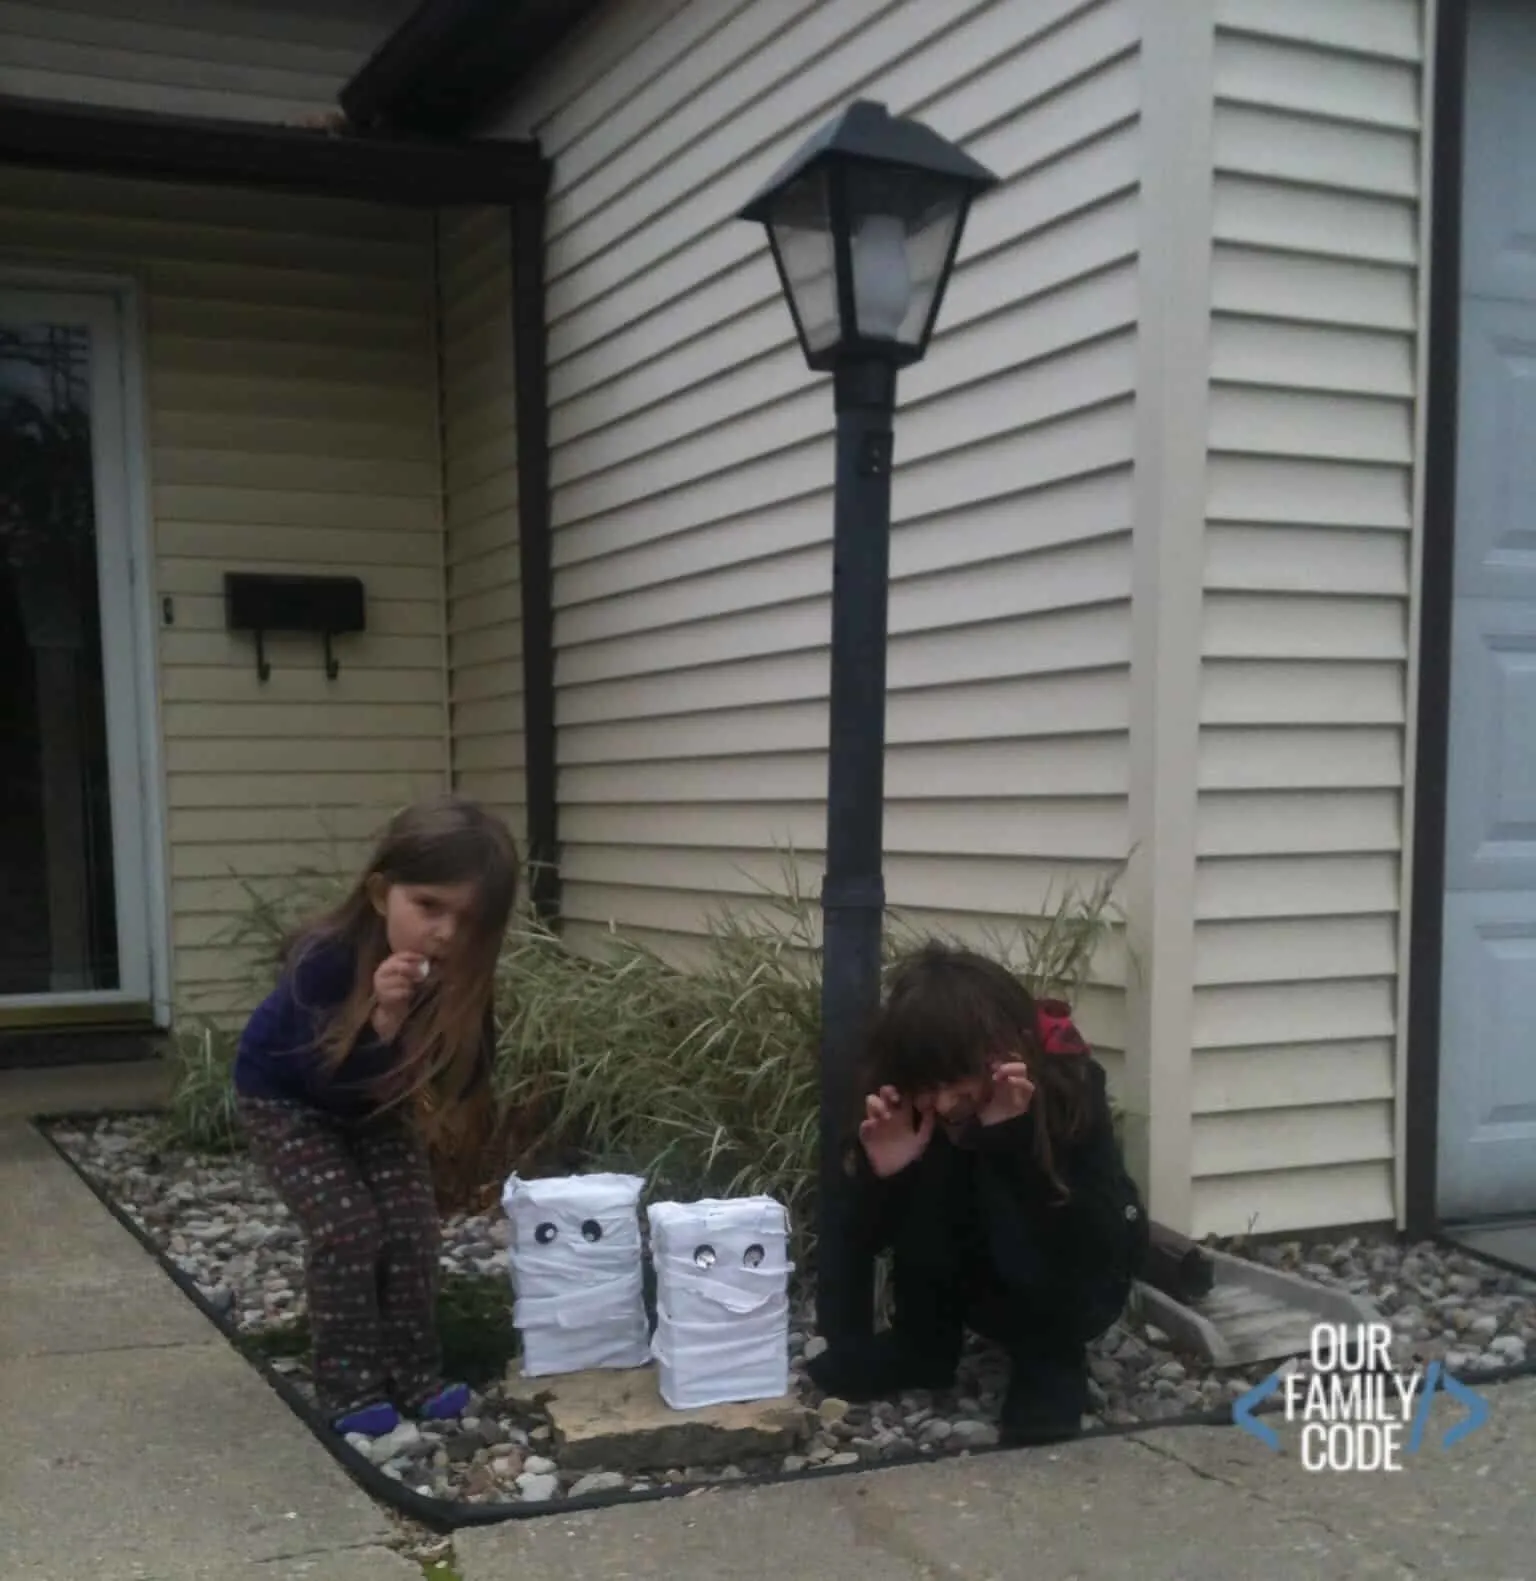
1426 932
403 171
451 62
65 1047
536 591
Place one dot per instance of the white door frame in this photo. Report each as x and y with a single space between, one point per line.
110 306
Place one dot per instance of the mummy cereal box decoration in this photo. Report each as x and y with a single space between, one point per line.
722 1300
576 1272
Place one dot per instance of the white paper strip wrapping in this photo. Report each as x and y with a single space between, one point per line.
722 1276
576 1271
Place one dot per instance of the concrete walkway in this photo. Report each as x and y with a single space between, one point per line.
1198 1504
138 1445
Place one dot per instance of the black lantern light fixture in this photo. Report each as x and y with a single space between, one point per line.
864 224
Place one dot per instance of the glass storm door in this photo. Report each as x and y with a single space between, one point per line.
74 922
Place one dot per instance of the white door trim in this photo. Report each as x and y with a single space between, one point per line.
142 851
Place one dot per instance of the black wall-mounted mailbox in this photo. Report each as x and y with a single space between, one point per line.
328 606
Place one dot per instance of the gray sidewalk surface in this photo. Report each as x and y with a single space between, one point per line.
140 1447
1191 1504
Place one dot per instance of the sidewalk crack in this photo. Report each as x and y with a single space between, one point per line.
1308 1518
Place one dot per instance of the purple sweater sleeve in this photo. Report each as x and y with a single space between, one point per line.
279 1059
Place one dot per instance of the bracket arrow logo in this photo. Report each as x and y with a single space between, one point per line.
1244 1406
1476 1405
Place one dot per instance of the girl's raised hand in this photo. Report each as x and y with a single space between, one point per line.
894 1133
1012 1093
394 986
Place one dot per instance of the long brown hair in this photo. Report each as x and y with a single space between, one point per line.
442 841
948 1013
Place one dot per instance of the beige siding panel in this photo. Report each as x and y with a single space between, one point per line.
692 459
1294 1199
1300 78
479 428
1260 1141
1317 692
1019 716
1314 346
1299 823
1001 93
1297 886
1246 1081
1243 559
277 60
281 437
1391 30
1316 290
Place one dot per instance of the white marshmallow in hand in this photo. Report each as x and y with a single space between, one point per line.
576 1265
722 1300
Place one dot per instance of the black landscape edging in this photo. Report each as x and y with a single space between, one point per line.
449 1515
1448 1240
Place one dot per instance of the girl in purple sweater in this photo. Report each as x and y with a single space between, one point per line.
380 1031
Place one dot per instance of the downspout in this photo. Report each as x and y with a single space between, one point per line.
531 392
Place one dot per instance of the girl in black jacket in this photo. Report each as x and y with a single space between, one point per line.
992 1171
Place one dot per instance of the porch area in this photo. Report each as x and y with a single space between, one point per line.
244 349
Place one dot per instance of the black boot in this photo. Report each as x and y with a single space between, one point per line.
880 1369
1047 1396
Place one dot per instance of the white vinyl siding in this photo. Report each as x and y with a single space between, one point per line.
692 464
485 656
248 60
1310 499
290 390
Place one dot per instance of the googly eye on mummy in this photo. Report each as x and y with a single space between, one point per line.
704 1256
545 1234
753 1256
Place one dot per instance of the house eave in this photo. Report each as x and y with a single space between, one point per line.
414 172
451 62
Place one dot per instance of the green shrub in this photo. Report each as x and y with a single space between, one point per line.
474 1321
201 1113
705 1080
202 1108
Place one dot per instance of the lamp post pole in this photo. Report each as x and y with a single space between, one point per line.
853 888
864 223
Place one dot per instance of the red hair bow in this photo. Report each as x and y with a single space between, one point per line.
1054 1030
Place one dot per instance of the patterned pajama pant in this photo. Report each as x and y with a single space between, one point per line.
363 1198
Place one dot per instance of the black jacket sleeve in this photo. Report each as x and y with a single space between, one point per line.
1090 1241
879 1202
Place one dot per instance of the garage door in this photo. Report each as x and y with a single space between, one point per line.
1487 1161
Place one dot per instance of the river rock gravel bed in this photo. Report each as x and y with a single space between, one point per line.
219 1222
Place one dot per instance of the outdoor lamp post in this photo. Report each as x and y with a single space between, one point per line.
864 224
